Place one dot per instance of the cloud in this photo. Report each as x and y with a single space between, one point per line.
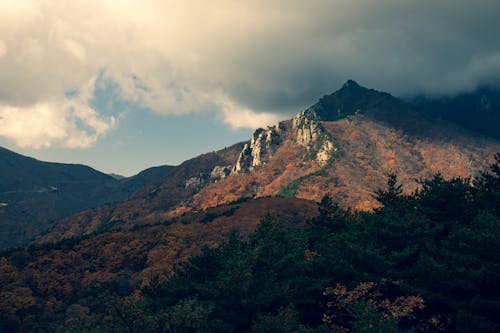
267 59
42 124
3 48
238 116
69 122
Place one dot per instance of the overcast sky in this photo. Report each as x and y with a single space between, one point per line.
123 85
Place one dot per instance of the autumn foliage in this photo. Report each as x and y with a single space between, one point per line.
421 262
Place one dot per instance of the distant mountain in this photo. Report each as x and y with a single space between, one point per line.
116 176
478 110
21 173
35 194
147 176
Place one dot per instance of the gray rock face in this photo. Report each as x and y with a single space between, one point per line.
244 160
307 131
261 148
325 153
194 182
311 134
220 172
307 127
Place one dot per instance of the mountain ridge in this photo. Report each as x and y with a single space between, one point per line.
35 194
13 163
354 133
307 157
477 110
123 261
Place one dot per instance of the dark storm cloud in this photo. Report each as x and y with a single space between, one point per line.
253 61
404 47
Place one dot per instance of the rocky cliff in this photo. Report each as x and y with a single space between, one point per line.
306 131
260 149
310 133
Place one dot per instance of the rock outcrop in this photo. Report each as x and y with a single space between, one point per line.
194 182
325 152
220 172
261 148
307 131
307 127
311 134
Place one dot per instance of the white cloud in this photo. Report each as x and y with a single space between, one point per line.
69 122
238 116
42 125
267 58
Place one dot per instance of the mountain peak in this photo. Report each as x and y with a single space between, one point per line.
350 84
352 99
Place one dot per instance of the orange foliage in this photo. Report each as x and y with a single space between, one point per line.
367 151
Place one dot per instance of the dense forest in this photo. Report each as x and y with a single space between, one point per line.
425 262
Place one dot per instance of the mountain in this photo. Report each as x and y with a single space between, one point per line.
116 176
21 173
158 199
144 179
345 145
352 99
478 110
35 194
109 264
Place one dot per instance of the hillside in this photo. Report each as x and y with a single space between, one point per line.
345 145
263 264
35 194
154 202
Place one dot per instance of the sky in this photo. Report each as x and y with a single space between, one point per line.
125 85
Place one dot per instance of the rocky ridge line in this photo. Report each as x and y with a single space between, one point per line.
261 148
307 132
